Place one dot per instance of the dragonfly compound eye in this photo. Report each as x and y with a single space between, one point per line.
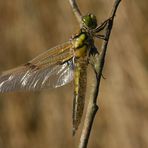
89 21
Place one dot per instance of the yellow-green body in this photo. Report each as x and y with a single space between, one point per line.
80 78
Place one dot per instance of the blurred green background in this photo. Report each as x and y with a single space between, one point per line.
43 119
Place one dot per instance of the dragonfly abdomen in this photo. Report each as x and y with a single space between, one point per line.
80 79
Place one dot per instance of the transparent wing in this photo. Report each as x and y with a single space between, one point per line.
54 68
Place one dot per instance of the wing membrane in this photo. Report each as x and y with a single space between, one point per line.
54 68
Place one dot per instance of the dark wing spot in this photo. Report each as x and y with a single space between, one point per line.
31 66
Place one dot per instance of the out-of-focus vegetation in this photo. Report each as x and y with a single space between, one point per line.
43 119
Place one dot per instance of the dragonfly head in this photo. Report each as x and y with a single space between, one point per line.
89 21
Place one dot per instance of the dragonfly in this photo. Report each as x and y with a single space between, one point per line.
59 66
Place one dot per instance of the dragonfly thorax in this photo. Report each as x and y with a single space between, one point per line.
80 44
89 21
79 40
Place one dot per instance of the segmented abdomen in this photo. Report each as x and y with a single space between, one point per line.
80 79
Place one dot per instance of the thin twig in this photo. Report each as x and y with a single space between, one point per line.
76 11
99 64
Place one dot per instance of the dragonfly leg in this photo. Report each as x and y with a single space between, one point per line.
102 25
93 51
100 36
